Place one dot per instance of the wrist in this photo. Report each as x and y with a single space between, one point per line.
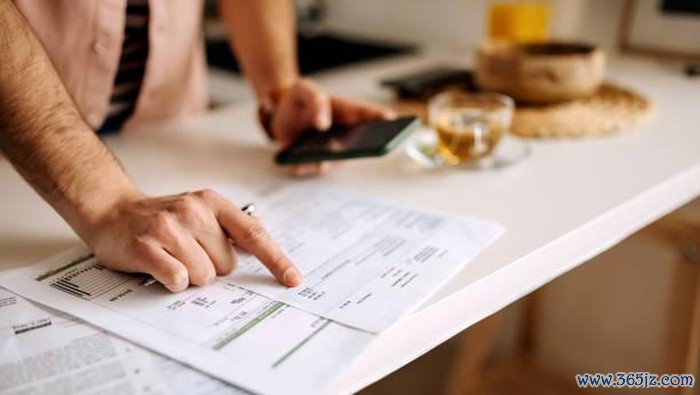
91 213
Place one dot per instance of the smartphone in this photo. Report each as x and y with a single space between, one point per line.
375 138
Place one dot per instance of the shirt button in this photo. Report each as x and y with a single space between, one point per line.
101 46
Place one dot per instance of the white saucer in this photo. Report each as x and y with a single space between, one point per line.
422 148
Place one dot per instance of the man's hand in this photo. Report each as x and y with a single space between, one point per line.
305 106
178 239
262 33
184 239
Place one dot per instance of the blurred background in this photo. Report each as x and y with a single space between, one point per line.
633 308
335 33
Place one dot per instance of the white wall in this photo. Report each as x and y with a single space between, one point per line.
462 23
453 22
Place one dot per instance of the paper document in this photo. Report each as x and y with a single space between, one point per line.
366 263
48 352
236 335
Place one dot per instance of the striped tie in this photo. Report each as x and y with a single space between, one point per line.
132 65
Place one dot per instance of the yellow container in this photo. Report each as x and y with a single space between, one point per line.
519 21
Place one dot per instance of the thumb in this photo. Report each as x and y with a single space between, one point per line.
322 118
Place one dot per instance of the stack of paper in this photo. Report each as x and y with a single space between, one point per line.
366 263
47 352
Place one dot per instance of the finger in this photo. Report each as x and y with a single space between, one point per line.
323 118
305 107
166 269
318 104
306 170
252 236
187 250
249 233
199 220
349 111
219 249
323 168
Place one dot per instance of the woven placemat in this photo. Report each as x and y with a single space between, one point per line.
611 109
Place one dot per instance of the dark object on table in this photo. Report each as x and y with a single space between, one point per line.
683 7
422 84
368 139
692 70
316 53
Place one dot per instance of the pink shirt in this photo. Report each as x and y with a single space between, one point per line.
83 38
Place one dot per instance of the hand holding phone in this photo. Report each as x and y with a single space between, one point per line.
375 138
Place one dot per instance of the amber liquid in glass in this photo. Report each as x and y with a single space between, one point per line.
464 140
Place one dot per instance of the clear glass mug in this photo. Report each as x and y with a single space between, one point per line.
469 126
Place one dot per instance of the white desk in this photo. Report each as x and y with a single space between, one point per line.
569 201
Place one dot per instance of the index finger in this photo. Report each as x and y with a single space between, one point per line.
250 234
350 111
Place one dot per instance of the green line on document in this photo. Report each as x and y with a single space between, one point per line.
300 344
72 263
228 339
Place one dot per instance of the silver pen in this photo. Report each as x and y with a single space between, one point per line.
248 209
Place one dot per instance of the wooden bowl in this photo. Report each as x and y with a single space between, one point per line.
541 73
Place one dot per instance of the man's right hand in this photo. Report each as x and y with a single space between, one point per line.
180 240
184 239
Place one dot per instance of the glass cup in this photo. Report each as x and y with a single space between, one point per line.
469 125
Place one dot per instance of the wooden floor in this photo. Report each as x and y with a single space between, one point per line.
510 376
426 375
517 376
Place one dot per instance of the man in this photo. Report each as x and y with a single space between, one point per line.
70 67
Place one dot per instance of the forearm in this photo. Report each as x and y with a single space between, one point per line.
262 33
43 134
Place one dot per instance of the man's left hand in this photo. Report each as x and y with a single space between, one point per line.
306 106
